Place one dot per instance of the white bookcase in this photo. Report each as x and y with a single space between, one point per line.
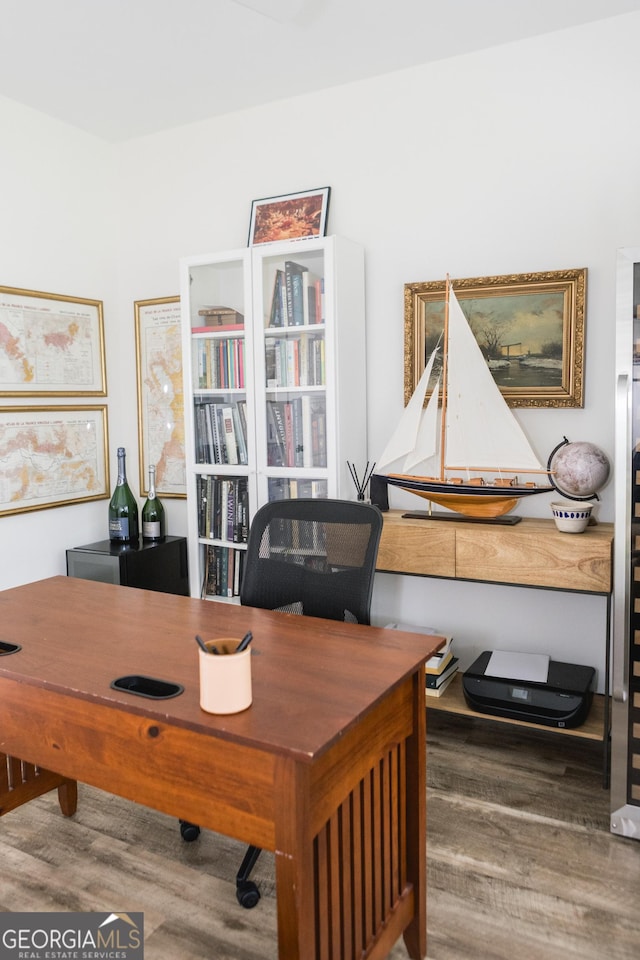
278 384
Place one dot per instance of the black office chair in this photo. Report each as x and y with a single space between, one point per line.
312 557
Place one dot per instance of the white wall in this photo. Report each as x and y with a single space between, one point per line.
521 158
57 235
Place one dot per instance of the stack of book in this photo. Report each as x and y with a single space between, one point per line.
298 297
218 318
440 670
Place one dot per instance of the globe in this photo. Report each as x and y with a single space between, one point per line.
579 469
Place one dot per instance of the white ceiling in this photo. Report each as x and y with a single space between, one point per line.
125 68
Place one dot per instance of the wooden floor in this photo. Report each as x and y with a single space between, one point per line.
521 863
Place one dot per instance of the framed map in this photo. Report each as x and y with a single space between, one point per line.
160 395
52 456
50 345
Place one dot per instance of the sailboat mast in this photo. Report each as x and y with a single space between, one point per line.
445 363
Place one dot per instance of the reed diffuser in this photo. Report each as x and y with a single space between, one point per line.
361 485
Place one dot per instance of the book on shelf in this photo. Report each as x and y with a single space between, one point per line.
219 328
294 361
219 363
292 353
438 662
239 420
277 317
442 657
220 431
288 488
270 348
289 436
222 571
277 434
213 317
295 292
436 680
438 691
307 431
231 444
311 298
223 508
296 432
216 412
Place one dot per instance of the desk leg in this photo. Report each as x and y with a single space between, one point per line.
415 935
351 886
294 863
68 797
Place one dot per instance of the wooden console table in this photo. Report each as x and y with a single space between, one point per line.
531 553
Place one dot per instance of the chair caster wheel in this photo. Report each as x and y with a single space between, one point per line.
189 831
247 894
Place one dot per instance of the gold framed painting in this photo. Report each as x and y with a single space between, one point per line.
52 457
160 395
530 328
50 345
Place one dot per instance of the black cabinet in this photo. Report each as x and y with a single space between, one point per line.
158 566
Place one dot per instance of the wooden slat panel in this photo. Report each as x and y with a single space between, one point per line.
21 782
358 864
335 886
358 871
402 817
396 815
322 907
4 774
346 888
386 821
29 772
15 773
368 921
376 846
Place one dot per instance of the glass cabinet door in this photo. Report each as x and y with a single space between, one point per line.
294 352
218 345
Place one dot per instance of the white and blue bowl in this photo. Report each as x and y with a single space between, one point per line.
571 517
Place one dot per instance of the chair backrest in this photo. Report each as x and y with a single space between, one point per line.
314 557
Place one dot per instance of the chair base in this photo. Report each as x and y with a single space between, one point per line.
247 892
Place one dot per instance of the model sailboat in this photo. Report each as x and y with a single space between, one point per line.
465 450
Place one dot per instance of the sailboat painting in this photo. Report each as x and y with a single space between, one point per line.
465 450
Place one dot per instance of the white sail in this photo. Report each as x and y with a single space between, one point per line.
481 430
404 440
424 458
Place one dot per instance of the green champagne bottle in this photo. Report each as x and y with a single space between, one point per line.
123 509
152 512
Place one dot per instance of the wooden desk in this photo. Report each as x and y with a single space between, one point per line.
532 553
327 768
